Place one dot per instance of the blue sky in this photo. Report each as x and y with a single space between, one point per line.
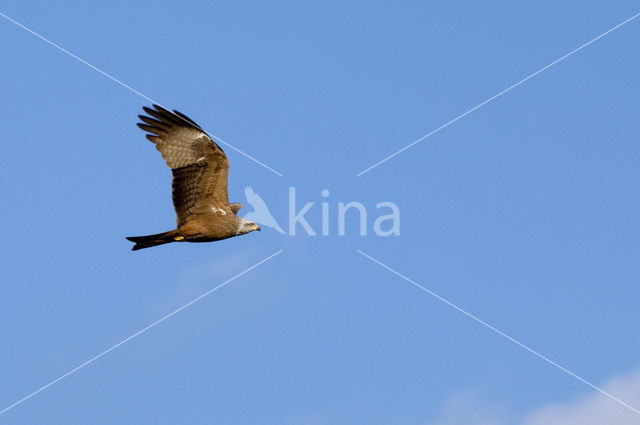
523 213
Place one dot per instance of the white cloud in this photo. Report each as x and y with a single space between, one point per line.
593 409
596 408
468 410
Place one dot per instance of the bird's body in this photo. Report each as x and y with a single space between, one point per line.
200 169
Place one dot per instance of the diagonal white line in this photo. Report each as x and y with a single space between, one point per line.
138 333
497 95
128 87
499 332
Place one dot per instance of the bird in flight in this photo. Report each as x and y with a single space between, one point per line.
200 169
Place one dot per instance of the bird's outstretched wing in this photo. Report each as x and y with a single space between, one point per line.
200 168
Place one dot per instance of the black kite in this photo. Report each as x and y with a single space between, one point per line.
200 170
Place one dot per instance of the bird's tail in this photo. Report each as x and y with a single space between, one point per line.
153 240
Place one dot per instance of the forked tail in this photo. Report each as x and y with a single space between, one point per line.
152 240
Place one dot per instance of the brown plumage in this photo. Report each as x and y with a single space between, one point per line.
200 169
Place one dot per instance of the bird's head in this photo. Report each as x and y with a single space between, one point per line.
246 226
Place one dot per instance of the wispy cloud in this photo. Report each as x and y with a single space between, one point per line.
469 410
593 409
198 277
141 331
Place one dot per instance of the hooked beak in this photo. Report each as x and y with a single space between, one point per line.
256 227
